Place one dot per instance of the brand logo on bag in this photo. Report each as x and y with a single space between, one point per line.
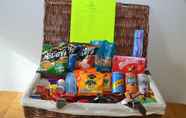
87 51
118 83
54 54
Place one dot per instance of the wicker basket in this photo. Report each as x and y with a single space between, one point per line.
35 108
129 17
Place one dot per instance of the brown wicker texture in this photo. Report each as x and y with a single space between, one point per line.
129 17
57 19
31 112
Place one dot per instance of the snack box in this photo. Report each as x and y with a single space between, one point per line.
123 63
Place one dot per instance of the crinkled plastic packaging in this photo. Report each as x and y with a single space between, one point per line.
89 82
72 62
70 84
85 54
104 54
54 60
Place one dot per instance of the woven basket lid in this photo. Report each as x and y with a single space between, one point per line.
129 17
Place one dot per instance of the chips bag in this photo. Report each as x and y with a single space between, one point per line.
54 60
85 55
89 82
104 54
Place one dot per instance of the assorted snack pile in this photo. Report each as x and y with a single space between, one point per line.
91 73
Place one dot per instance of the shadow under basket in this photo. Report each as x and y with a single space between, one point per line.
129 17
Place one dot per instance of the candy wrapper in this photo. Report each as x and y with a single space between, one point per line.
85 55
54 60
104 54
61 85
89 82
124 63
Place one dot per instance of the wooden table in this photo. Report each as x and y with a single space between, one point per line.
10 107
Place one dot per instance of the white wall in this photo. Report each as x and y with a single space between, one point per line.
20 42
167 50
21 34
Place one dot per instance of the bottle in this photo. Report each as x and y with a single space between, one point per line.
143 83
131 81
117 82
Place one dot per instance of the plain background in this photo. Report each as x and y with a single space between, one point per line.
21 23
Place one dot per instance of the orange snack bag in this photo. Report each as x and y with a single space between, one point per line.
89 82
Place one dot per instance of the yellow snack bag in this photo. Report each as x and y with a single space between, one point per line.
89 82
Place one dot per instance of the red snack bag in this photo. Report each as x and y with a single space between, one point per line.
123 63
40 89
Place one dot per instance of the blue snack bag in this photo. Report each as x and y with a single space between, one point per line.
109 49
72 62
104 55
100 45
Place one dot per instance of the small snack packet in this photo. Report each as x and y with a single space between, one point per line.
89 82
107 83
